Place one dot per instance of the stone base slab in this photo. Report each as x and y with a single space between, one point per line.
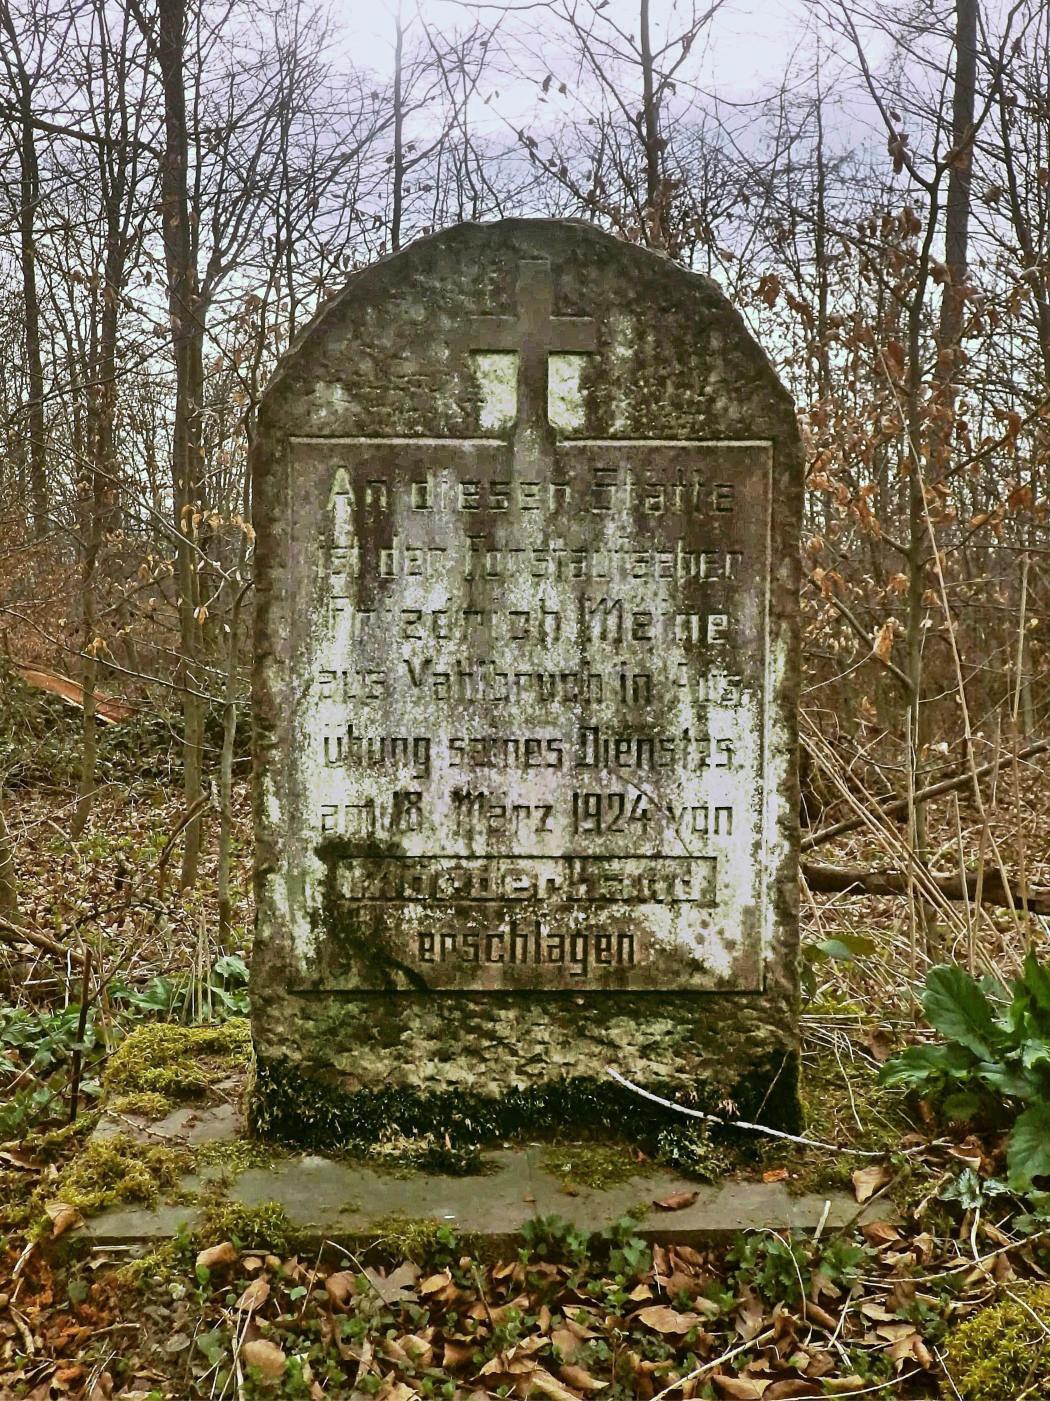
353 1204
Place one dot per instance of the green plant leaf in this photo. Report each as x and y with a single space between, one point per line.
1008 1080
843 947
958 1009
966 1189
1028 1147
832 948
962 1106
1035 1052
1036 982
925 1067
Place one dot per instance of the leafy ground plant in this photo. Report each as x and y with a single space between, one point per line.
993 1067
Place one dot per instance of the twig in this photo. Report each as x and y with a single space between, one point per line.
762 1338
841 880
78 1051
897 807
737 1123
11 933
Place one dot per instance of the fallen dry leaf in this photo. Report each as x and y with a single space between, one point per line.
580 1378
420 1350
63 1218
879 1233
677 1201
792 1387
868 1180
543 1383
394 1390
740 1388
396 1287
254 1296
266 1356
813 1313
879 1042
340 1287
775 1175
566 1341
457 1353
434 1283
661 1318
218 1257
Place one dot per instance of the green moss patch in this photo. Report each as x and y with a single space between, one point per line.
415 1238
1001 1353
236 1155
596 1165
142 1104
843 1104
262 1227
177 1062
427 1153
311 1113
113 1170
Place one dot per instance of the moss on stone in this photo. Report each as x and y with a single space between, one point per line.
55 1144
118 1169
157 1268
1000 1353
402 1154
236 1155
412 1238
143 1104
262 1227
289 1105
177 1062
597 1165
842 1104
700 1152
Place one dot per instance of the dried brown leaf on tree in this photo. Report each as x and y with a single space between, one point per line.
882 646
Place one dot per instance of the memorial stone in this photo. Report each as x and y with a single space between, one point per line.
527 501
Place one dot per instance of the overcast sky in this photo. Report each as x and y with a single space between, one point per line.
745 54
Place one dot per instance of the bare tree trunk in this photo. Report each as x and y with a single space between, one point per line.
102 407
398 193
229 737
8 883
28 199
650 121
960 172
184 316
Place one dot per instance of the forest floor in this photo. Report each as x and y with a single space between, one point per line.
943 1294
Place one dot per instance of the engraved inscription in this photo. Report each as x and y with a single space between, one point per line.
533 710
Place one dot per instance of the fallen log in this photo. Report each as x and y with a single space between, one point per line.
898 807
107 709
11 933
856 880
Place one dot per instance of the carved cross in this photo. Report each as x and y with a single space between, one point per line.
533 333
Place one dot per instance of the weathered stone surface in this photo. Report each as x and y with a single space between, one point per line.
527 502
344 1203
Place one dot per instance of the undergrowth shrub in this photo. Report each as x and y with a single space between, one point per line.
993 1066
